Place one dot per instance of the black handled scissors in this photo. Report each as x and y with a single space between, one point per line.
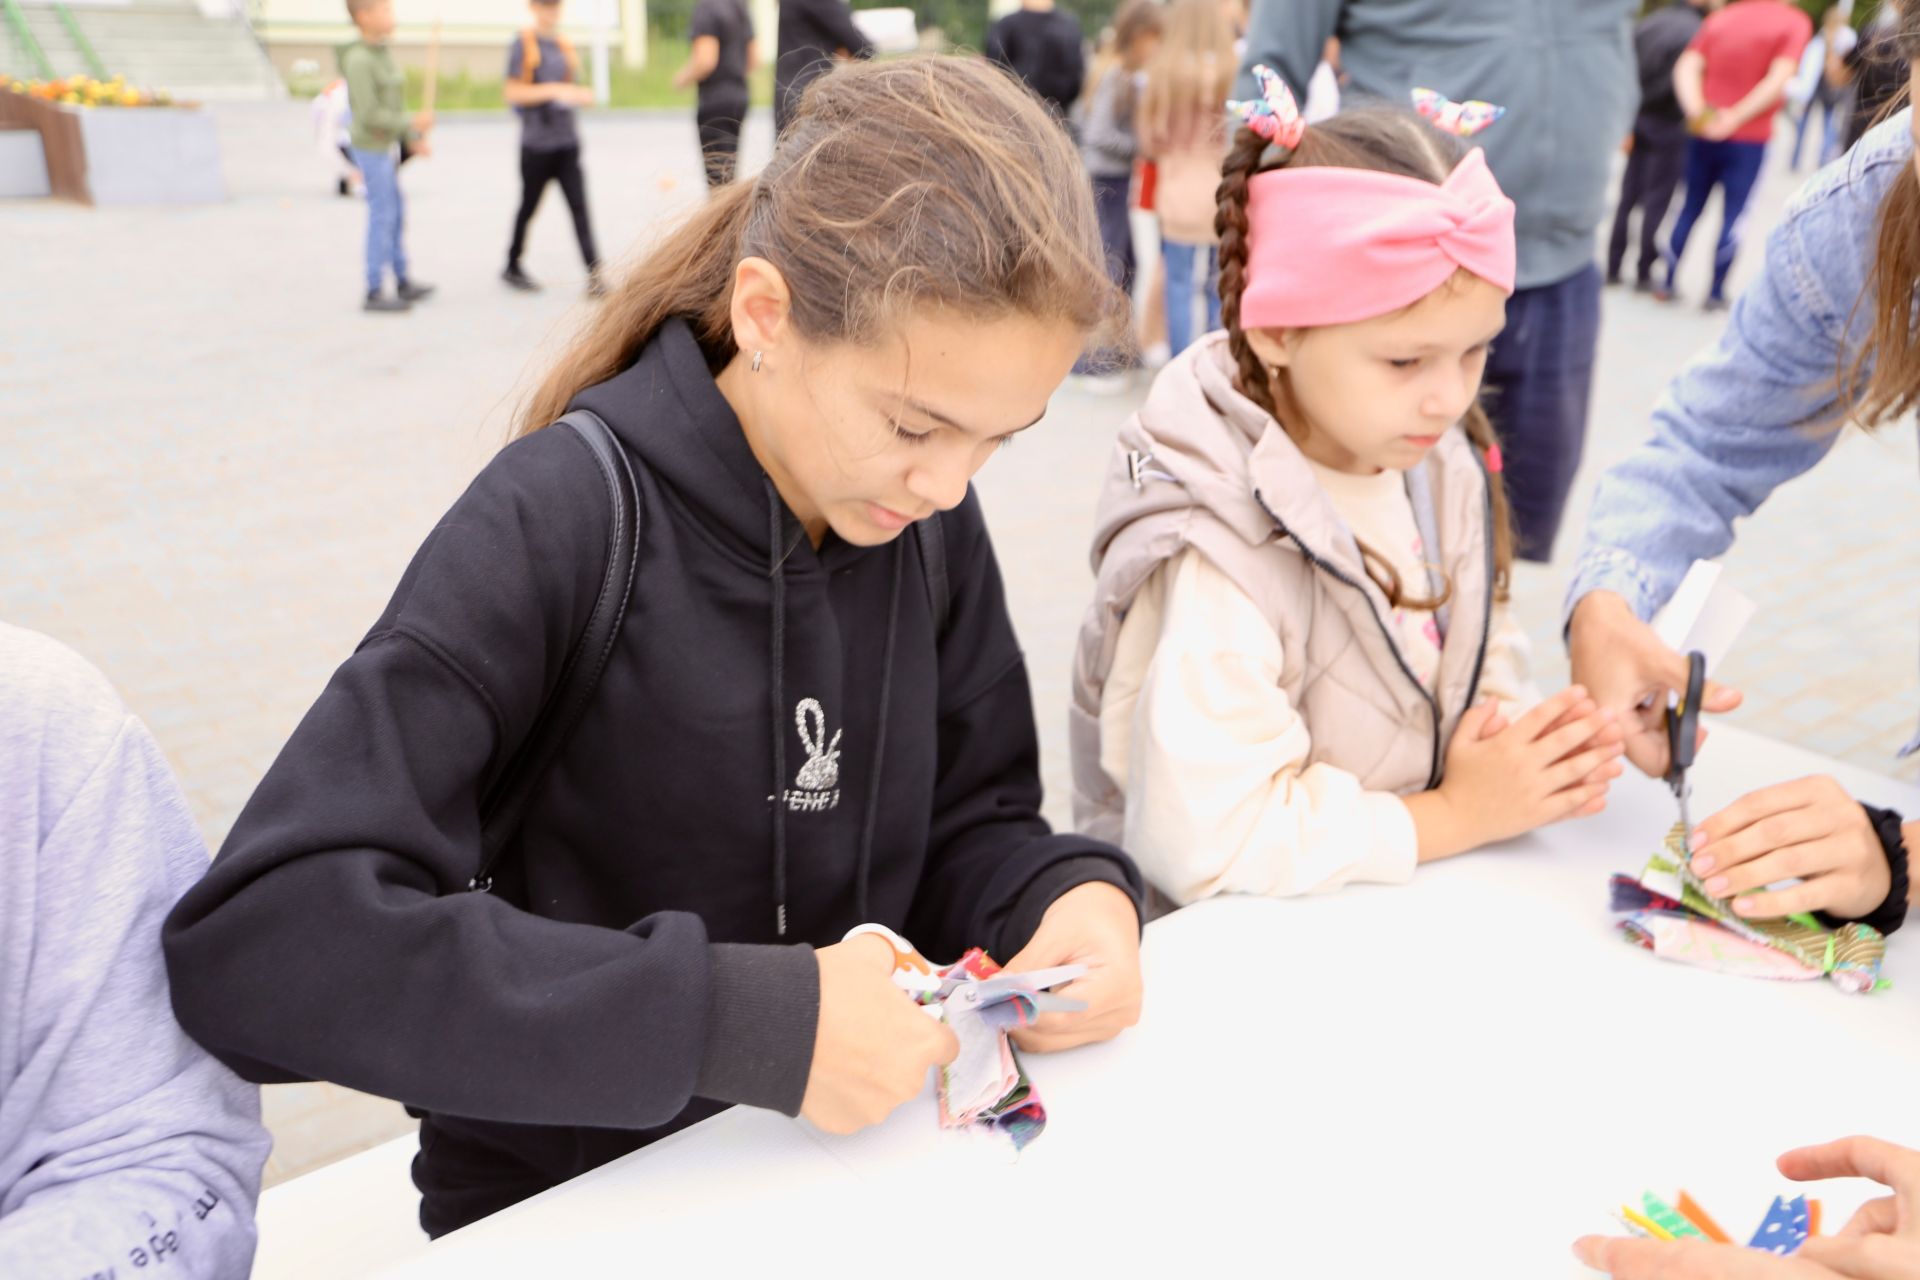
1683 733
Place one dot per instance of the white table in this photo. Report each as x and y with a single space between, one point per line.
1451 1078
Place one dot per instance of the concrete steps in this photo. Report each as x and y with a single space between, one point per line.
159 44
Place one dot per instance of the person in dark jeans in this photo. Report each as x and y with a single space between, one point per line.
1578 86
812 34
1042 45
543 86
1730 82
724 54
1659 148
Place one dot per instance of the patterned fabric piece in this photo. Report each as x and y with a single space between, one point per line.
985 1084
1785 1227
1691 940
1671 1220
1669 893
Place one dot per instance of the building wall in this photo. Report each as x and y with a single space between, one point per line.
473 34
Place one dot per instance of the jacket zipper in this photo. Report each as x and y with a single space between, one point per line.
1486 619
1433 704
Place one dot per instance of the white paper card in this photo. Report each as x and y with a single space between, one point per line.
1706 613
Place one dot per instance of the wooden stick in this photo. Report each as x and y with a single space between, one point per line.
432 89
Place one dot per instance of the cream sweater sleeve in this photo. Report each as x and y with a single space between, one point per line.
1508 673
1212 755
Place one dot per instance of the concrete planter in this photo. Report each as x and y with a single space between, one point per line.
123 155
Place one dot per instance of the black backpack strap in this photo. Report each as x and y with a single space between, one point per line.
505 803
933 556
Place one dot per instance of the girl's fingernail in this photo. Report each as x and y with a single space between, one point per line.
1697 841
1703 864
1717 886
1744 906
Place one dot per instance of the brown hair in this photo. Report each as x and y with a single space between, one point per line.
1882 380
1136 20
1387 140
357 7
926 181
1192 74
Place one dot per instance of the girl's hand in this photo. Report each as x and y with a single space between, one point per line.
873 1045
1630 672
1881 1242
1554 762
1096 925
1811 829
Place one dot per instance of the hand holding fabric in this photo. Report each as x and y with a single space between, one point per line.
1095 925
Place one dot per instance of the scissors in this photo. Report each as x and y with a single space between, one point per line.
1683 733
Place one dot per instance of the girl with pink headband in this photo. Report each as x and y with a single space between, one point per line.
1299 669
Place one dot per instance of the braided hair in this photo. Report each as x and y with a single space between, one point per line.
1387 140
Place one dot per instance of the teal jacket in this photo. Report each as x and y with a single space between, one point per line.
377 96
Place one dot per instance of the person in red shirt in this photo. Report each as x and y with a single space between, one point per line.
1730 82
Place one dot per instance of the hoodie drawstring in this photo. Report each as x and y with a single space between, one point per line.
778 672
863 872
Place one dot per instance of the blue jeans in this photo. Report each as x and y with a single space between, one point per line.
386 217
1182 261
1539 380
1733 167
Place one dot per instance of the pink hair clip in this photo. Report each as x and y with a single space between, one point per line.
1462 119
1274 115
1495 462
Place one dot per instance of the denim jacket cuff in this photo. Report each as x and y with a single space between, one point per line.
1616 570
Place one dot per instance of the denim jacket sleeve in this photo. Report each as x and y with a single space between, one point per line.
1755 410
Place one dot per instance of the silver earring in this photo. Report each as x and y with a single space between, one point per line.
757 356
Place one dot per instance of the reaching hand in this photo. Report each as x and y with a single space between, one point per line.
1630 672
1095 925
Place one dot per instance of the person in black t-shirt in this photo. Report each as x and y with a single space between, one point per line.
812 34
1658 152
1042 46
724 54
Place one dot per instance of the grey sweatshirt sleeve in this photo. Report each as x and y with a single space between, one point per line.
1287 35
1106 139
124 1147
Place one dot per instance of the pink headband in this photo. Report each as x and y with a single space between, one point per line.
1331 246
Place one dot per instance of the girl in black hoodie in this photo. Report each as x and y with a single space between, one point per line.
803 724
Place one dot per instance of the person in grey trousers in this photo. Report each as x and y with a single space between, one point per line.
1565 72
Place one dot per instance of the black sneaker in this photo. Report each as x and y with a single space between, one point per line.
344 187
1643 285
411 292
377 301
1713 304
520 280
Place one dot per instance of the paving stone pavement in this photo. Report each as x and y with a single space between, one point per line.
215 467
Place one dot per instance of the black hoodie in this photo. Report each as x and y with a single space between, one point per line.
778 732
